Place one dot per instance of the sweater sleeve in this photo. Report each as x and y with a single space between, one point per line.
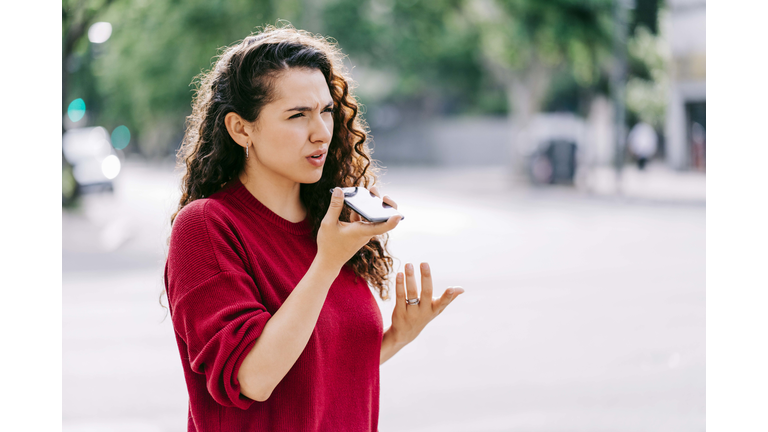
215 305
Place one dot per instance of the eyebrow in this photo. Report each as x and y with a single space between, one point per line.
303 108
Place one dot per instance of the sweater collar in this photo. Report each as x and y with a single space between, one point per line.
239 191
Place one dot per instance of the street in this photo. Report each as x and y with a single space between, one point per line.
582 311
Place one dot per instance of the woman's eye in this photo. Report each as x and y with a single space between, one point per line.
297 115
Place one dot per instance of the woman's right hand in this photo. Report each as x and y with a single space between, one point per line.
339 241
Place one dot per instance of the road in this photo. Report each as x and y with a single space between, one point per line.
582 312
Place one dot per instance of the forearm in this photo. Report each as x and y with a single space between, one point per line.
286 334
391 343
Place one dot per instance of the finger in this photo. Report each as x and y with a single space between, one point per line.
354 217
426 286
411 289
337 203
378 228
400 291
389 201
448 296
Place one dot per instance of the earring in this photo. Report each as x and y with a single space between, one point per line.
246 150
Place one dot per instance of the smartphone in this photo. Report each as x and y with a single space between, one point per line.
368 205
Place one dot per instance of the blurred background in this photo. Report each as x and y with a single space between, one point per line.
550 156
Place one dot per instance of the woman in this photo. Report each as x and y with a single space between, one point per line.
268 274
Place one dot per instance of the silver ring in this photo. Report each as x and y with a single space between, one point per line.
412 302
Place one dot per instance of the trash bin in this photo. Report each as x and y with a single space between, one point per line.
554 163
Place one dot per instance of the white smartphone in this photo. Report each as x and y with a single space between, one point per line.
368 205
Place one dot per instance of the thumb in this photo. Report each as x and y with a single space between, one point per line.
337 203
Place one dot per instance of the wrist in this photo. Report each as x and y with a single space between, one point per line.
397 339
391 343
324 265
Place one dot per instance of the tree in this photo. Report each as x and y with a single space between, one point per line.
524 42
426 49
145 75
76 19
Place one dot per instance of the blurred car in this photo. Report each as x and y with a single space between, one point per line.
93 160
69 190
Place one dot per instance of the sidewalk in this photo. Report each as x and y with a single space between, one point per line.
657 183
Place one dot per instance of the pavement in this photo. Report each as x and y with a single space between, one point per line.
584 307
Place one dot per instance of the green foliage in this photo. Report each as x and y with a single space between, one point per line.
646 94
445 51
577 34
429 48
77 76
157 47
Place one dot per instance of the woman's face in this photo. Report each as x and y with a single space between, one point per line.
297 124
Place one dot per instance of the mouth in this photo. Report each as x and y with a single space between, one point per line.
317 159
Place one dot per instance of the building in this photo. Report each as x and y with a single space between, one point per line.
686 111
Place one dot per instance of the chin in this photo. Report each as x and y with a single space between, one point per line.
312 178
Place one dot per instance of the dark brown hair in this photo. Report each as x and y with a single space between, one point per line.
242 81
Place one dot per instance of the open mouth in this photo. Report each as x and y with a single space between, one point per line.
317 160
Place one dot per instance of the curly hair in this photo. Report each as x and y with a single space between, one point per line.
242 81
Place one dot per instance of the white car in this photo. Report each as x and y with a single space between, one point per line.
95 163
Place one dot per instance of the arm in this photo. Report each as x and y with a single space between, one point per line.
389 345
287 332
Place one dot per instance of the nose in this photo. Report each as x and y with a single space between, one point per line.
321 129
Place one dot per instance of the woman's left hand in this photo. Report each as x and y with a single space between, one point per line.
408 320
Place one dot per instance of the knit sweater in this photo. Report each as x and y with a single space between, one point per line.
231 263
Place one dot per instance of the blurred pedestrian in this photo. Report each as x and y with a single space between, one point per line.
698 147
268 274
642 143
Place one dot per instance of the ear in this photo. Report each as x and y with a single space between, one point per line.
238 129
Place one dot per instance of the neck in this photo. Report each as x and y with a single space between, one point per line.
278 194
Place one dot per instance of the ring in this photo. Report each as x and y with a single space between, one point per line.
412 302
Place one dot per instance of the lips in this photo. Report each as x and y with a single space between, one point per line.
318 159
319 152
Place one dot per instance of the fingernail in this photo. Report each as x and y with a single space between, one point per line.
425 267
409 267
449 291
337 192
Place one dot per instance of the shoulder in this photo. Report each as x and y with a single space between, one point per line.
200 210
213 215
204 242
201 221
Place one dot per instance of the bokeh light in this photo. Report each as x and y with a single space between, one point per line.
121 136
76 110
110 166
100 32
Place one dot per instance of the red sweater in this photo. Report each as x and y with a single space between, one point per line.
231 263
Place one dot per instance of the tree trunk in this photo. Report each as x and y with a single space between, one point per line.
525 95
